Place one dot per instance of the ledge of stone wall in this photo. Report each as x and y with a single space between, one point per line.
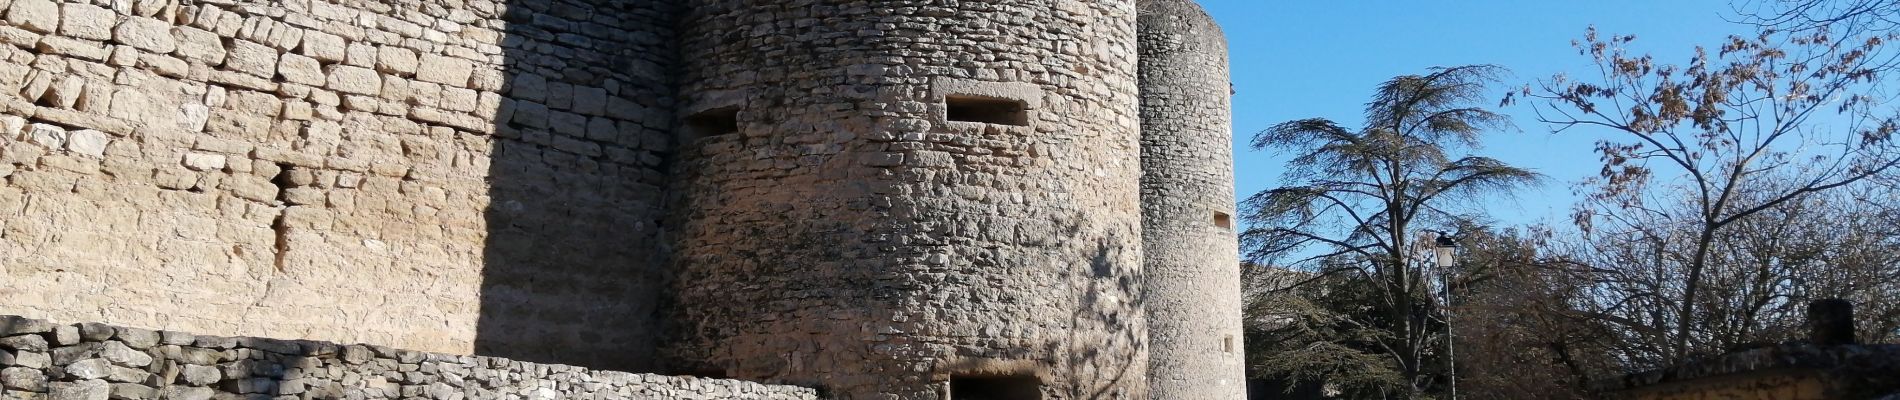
46 360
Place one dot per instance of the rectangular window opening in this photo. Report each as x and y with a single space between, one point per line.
988 110
1227 344
714 122
995 387
1223 220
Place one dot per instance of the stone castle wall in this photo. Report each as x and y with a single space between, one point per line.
858 232
1187 184
461 176
90 361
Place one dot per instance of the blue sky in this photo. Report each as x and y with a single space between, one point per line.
1300 59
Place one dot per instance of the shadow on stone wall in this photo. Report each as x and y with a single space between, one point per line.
575 259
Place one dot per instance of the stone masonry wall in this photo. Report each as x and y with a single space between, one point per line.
460 176
42 360
1187 187
848 233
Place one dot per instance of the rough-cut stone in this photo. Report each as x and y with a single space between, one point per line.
199 44
88 142
396 60
301 70
89 389
23 378
444 70
250 367
251 58
323 47
353 79
86 21
94 368
204 162
199 375
119 353
146 34
34 15
24 343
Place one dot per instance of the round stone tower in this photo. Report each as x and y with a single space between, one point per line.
1187 195
912 199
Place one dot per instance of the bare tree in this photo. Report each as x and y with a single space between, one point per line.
1800 109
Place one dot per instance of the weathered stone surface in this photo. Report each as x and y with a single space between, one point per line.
86 21
507 194
302 70
396 60
200 375
199 44
88 142
353 79
251 58
444 70
93 368
146 34
323 46
118 353
23 378
250 367
34 15
24 343
89 389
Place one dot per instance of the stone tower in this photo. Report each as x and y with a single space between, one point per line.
1187 188
912 199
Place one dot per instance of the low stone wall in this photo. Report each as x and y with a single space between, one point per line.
44 360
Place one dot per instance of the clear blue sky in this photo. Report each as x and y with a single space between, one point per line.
1300 59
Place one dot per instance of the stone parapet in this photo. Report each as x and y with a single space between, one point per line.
87 361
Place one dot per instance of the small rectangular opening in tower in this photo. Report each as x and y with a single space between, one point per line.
989 110
714 122
1227 344
995 387
1223 220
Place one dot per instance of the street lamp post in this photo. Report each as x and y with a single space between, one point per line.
1443 257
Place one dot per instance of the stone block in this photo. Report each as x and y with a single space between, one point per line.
445 70
146 34
251 58
23 378
96 332
40 16
353 79
138 338
302 70
204 162
324 47
89 389
133 391
118 353
88 142
199 44
48 136
396 60
12 126
93 368
33 343
86 21
199 375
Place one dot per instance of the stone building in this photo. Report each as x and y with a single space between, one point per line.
909 199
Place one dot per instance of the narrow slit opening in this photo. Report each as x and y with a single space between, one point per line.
988 110
1227 344
714 122
995 387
